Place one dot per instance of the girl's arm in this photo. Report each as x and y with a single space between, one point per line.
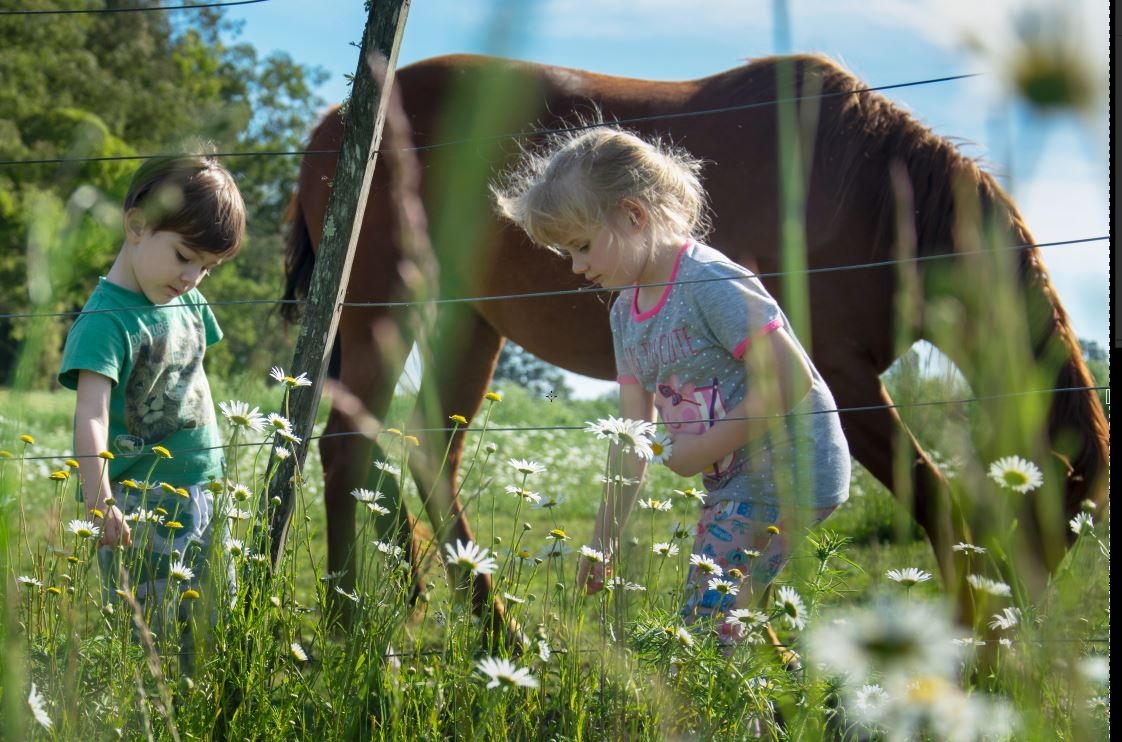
635 403
91 436
779 378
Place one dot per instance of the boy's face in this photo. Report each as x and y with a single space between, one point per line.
164 267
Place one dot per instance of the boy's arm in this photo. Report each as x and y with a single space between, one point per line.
91 437
635 403
779 379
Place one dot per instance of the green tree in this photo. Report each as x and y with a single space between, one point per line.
120 84
527 370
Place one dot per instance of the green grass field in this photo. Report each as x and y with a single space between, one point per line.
603 666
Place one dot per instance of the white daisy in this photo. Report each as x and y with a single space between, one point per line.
616 480
665 549
505 674
181 571
281 452
289 437
235 547
544 652
1082 523
888 638
652 504
298 652
789 603
746 618
682 531
525 466
29 581
683 636
83 528
377 509
1007 619
869 702
240 415
724 587
693 494
619 582
236 514
908 576
592 555
631 435
239 492
986 585
548 502
1016 473
966 548
557 534
512 598
364 495
390 550
351 596
705 565
471 556
278 422
388 468
523 493
662 448
554 549
290 381
38 708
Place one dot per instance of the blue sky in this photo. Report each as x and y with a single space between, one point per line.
1055 167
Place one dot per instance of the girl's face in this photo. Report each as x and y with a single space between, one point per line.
612 258
161 267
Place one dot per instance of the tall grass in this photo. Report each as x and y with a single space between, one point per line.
277 665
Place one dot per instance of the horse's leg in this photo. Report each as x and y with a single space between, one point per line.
456 379
368 373
875 437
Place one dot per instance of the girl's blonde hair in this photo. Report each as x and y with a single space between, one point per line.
567 191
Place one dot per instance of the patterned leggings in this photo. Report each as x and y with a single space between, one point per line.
735 536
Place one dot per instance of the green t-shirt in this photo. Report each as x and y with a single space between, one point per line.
154 356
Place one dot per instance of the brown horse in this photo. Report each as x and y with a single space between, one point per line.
870 162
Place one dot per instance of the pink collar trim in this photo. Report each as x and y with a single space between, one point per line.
643 316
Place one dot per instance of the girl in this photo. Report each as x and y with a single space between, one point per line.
698 337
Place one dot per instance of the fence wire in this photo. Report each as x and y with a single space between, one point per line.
583 290
529 428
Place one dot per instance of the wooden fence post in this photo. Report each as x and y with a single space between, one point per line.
350 189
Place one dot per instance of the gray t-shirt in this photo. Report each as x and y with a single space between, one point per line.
688 351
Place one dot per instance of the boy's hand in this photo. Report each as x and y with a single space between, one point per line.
114 529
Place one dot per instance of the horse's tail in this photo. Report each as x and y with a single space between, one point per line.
299 260
939 176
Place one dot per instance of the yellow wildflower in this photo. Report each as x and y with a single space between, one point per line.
773 530
96 513
130 484
182 492
6 454
167 487
60 476
174 524
73 464
27 439
412 439
190 594
493 396
54 590
162 452
460 419
107 455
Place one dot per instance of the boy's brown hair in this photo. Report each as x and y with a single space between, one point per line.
193 196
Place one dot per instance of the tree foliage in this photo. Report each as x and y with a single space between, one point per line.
535 375
126 84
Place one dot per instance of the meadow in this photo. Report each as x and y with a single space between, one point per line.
861 602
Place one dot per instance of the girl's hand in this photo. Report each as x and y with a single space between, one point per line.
688 455
114 529
592 575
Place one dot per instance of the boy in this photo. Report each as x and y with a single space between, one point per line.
135 357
